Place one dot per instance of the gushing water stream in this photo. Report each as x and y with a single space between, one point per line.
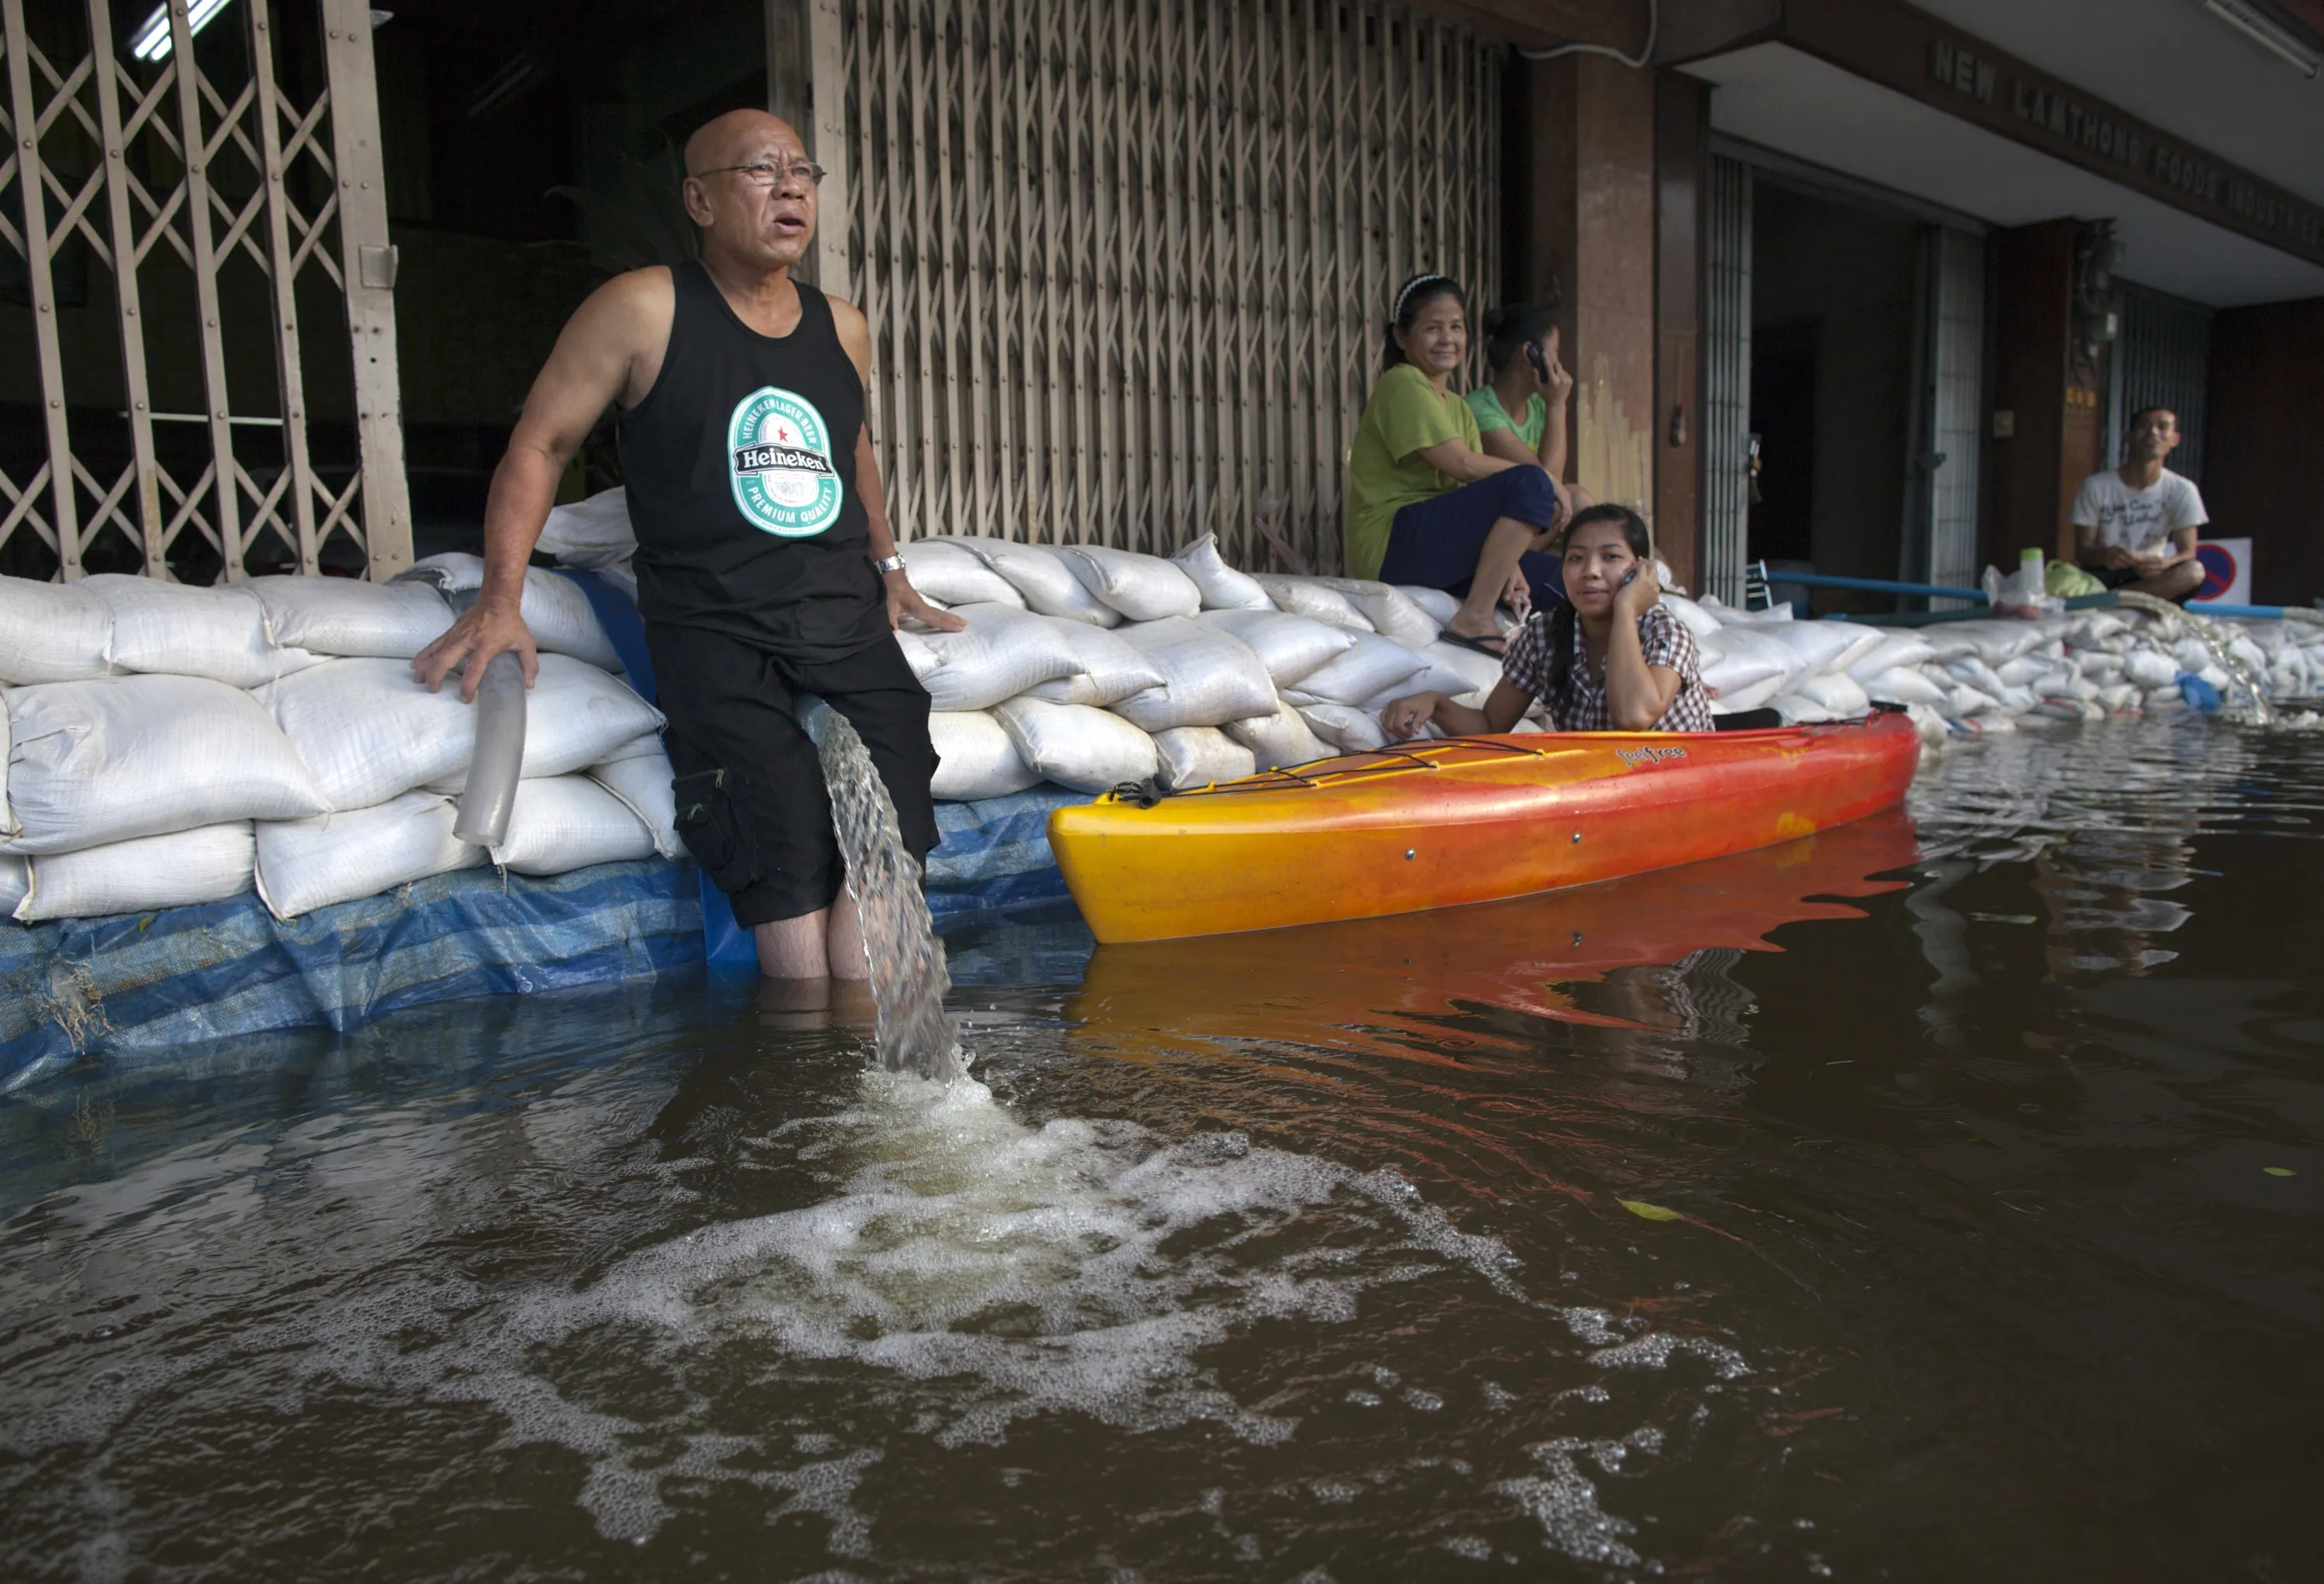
909 980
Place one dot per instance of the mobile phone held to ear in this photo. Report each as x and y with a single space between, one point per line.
1539 359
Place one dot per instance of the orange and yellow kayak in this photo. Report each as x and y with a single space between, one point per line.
1472 819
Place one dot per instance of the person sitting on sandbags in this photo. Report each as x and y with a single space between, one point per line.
2136 526
1609 656
1425 504
765 566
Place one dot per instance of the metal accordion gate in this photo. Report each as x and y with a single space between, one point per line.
205 191
1128 265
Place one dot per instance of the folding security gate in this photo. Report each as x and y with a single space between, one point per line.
1128 264
1940 516
1727 392
2160 358
201 193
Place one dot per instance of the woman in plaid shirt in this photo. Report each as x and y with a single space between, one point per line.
1610 658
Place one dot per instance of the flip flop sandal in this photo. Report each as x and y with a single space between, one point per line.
1497 648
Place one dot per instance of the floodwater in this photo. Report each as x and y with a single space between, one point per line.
1938 1199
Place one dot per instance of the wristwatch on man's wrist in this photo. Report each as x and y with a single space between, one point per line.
888 564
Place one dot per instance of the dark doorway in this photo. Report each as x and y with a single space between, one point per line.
1783 417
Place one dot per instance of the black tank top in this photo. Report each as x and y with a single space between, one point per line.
740 469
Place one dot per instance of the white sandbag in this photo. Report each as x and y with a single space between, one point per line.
1196 756
558 824
1798 710
1435 602
590 532
1110 670
949 572
1824 646
52 632
643 786
1290 647
2024 671
1840 694
1929 723
1990 640
976 759
1476 671
1374 666
209 863
1307 596
1696 619
1751 695
2098 666
1222 588
1003 653
1894 649
1905 685
1728 615
368 731
1049 586
1749 656
1074 745
332 858
1968 701
177 630
342 616
1390 611
1974 671
118 758
1283 738
1345 727
1208 677
645 746
16 880
917 654
1144 588
555 609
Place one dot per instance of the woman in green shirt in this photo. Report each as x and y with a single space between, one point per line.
1425 502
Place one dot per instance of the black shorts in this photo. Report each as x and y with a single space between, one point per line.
2122 578
751 804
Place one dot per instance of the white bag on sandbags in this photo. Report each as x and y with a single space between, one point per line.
1290 647
1893 651
1436 605
1283 738
1992 640
1799 710
590 532
2024 671
949 571
1374 666
917 654
341 616
332 858
1346 727
1308 596
558 824
177 630
1222 588
1477 672
1747 655
1836 691
555 609
1074 745
1144 588
52 632
1004 652
1196 756
1390 611
1822 646
1905 685
368 731
1691 616
117 757
1109 670
1751 695
1040 574
976 759
209 863
644 786
1208 677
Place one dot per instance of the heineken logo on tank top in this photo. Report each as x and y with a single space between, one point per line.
779 459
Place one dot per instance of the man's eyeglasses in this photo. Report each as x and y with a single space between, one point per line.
767 176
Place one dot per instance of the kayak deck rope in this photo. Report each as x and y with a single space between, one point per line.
1425 756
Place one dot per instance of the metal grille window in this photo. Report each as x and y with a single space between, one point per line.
182 201
1127 265
1726 394
2161 358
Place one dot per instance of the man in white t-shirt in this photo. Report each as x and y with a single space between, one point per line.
2135 526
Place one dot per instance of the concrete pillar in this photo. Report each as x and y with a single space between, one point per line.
2259 463
2046 411
1682 154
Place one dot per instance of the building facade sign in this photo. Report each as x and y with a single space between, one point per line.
1912 52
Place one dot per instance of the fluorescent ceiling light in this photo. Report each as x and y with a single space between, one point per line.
2268 33
152 42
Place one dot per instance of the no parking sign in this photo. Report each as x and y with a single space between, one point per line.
2227 571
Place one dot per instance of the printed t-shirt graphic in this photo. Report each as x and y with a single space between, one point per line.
780 457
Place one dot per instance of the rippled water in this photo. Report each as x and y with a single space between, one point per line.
1936 1198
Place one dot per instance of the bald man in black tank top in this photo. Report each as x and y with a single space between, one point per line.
765 566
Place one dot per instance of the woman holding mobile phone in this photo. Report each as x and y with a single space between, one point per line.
1611 658
1521 414
1425 502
